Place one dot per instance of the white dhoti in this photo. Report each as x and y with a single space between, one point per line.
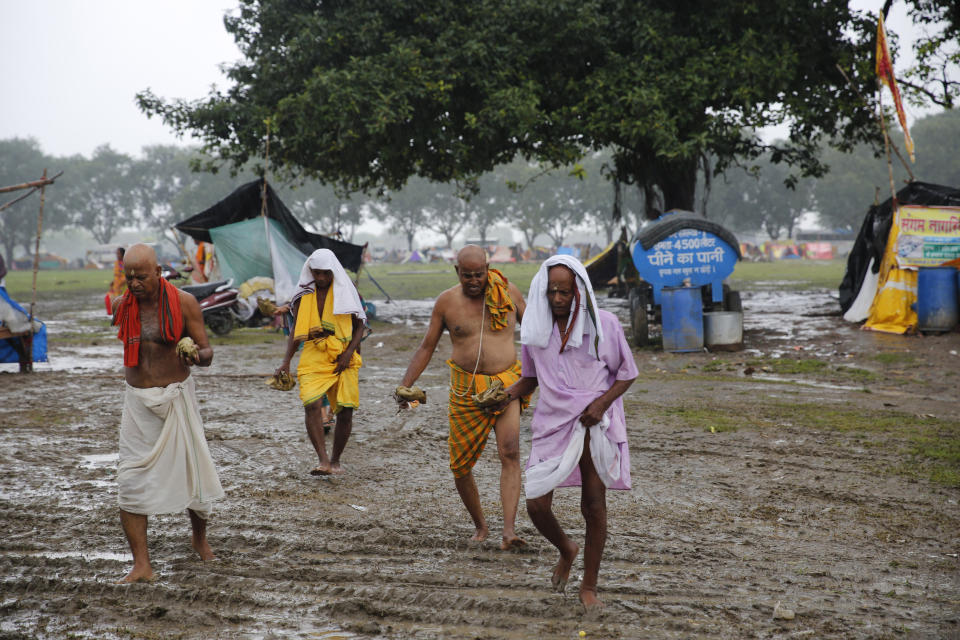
544 477
165 465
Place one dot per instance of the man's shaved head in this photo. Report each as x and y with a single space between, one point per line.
471 255
472 270
141 270
141 256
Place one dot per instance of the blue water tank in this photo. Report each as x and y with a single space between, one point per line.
681 312
937 308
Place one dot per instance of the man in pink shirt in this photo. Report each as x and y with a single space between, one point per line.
580 359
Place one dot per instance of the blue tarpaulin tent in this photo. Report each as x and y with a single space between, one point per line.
7 352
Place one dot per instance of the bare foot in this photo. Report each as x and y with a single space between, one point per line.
561 572
480 535
138 574
336 469
589 599
320 470
203 549
511 541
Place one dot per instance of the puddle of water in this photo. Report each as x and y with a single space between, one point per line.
83 555
808 383
99 460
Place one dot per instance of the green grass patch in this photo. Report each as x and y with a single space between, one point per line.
810 367
788 274
59 281
928 447
895 357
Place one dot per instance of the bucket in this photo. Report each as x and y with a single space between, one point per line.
681 311
937 298
723 330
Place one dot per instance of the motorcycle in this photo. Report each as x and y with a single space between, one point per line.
218 300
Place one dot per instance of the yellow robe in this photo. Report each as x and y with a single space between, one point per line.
315 372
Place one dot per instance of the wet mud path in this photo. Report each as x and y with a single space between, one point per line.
772 504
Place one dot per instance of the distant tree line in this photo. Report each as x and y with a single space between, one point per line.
110 191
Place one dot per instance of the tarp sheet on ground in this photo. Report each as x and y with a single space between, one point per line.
245 203
878 287
16 319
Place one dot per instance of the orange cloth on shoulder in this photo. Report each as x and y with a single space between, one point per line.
128 319
497 298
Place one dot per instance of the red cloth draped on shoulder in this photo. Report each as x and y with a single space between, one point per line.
128 319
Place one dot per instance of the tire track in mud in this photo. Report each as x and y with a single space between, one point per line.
718 528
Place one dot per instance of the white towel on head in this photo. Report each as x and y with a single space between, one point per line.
345 296
537 323
546 476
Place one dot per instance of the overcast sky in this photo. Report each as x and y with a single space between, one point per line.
70 68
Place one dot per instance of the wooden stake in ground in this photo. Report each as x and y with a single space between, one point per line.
26 363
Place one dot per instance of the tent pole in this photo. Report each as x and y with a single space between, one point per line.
26 366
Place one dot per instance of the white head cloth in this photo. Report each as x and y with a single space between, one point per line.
345 296
537 324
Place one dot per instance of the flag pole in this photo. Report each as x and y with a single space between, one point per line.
886 141
866 103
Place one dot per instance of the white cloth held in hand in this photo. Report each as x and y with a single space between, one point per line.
544 477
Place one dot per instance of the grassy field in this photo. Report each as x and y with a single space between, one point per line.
413 281
20 283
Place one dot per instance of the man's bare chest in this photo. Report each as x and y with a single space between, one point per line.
150 326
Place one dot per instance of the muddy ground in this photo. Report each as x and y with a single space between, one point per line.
801 470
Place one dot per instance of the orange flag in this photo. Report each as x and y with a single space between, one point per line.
885 75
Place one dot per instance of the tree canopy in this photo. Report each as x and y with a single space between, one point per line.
366 94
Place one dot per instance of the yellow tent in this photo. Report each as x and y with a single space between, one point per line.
891 310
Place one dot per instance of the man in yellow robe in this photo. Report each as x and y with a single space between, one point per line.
328 321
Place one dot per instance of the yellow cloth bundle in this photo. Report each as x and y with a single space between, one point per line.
497 298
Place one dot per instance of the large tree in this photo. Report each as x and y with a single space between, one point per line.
102 194
22 160
368 93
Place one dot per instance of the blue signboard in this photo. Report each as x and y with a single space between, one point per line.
694 254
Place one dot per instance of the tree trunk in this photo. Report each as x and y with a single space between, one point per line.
529 237
409 241
678 183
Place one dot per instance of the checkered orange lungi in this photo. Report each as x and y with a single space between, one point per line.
469 424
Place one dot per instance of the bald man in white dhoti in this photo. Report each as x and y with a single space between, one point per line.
164 464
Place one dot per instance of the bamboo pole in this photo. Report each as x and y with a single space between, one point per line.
26 366
36 183
25 186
